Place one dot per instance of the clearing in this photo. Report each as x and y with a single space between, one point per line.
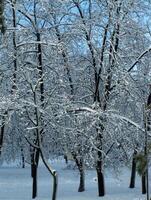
16 184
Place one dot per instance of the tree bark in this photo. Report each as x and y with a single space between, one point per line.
82 178
22 158
34 174
100 176
2 23
101 185
143 183
2 132
35 162
14 48
80 165
34 169
133 171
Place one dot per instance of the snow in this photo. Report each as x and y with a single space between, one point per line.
16 184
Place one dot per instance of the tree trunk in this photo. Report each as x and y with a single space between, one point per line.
22 158
100 177
34 168
144 183
2 19
34 188
66 158
14 87
2 130
52 172
82 177
133 171
79 163
101 184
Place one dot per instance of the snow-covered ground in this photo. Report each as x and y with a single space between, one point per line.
15 184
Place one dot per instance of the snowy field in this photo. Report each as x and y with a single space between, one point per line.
15 184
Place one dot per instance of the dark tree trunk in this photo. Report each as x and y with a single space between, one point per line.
133 171
79 163
22 158
2 19
100 177
82 184
34 168
2 129
34 173
36 152
144 183
66 159
15 49
40 69
82 178
101 185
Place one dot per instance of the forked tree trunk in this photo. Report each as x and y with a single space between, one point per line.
113 50
133 171
80 165
143 183
36 151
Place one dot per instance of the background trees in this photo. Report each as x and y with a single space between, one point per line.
82 66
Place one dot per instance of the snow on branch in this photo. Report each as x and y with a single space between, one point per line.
107 114
82 109
139 58
123 118
31 42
